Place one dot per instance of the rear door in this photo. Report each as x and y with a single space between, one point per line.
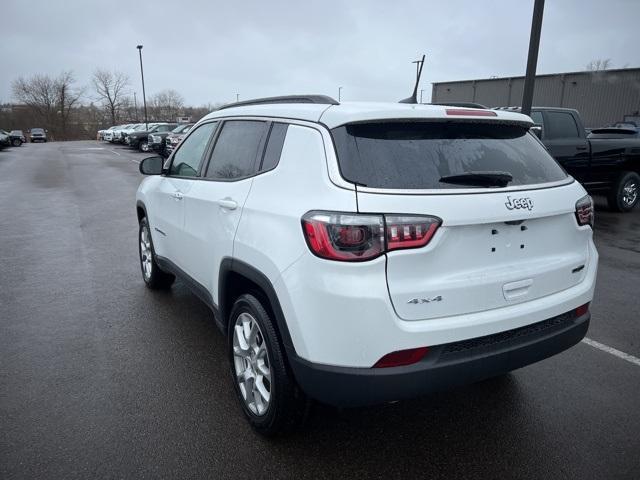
214 204
495 246
567 143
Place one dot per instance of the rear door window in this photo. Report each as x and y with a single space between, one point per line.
237 150
416 155
561 125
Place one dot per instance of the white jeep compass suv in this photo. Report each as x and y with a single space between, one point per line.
360 253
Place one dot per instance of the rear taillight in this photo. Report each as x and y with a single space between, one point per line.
402 357
350 238
584 211
409 231
360 237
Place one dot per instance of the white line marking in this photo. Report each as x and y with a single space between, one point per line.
134 161
612 351
113 151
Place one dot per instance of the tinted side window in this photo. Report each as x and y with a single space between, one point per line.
561 125
537 118
274 146
187 159
236 152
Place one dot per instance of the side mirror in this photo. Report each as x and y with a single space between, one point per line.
537 131
151 165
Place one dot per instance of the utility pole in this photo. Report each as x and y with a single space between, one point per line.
421 92
532 59
339 93
144 95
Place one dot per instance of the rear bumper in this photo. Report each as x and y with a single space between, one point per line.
444 366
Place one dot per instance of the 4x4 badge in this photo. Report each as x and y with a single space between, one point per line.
518 203
425 300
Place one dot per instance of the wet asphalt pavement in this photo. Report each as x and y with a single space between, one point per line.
102 378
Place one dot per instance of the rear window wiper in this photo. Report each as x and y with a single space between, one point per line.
479 179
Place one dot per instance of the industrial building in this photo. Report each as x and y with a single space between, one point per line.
602 97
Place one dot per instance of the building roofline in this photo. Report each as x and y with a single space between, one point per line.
582 72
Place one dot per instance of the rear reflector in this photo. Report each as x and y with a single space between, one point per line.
582 310
471 113
402 357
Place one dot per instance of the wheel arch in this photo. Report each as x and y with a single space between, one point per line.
237 277
141 210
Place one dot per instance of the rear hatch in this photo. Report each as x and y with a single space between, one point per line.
500 242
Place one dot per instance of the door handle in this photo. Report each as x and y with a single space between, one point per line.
228 204
177 195
581 147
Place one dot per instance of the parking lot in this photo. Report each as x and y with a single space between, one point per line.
102 378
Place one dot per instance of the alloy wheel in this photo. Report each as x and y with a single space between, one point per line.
251 364
630 192
146 254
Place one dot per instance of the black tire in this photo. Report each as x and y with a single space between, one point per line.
288 405
156 279
143 146
16 142
620 197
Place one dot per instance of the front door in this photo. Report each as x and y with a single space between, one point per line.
175 186
567 144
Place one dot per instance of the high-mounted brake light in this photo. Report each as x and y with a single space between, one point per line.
584 211
402 357
361 237
467 112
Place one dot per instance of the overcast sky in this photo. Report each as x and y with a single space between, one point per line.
211 50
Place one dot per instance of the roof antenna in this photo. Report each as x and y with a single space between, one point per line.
414 98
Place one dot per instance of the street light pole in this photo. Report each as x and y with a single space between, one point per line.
237 97
144 95
532 59
421 91
135 105
339 93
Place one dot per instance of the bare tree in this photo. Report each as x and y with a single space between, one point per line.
167 104
110 87
51 99
39 93
599 64
67 97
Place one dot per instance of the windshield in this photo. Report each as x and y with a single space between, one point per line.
417 155
37 130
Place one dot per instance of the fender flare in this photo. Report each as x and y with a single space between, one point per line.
231 265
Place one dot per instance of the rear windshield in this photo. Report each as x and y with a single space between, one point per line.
416 155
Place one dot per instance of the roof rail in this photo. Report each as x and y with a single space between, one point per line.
319 99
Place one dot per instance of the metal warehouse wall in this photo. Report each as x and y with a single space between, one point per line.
601 97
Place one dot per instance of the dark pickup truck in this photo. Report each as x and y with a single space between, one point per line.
605 161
